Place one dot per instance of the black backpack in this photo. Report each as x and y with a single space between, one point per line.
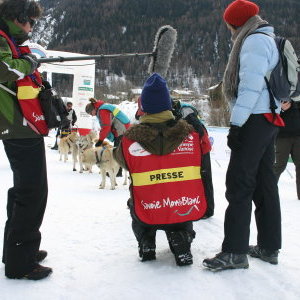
54 109
284 81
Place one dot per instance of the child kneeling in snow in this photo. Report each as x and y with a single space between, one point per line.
163 156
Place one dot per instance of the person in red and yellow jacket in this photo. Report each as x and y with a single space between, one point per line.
21 128
163 156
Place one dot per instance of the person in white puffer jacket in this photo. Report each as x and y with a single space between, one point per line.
253 128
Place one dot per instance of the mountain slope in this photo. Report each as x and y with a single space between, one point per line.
118 26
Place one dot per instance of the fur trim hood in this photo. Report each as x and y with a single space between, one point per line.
159 138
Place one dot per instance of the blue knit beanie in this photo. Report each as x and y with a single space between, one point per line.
155 96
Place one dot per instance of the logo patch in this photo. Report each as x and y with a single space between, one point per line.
136 149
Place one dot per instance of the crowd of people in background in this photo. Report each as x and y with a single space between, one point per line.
166 153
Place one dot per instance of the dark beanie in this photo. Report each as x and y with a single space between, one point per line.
155 95
239 12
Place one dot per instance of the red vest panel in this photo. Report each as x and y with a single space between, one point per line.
166 189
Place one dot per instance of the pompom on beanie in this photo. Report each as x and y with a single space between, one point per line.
155 95
239 12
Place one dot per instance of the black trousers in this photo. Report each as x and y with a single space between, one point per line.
148 232
206 176
26 203
284 147
250 176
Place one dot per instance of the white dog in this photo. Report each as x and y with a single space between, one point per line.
66 145
103 157
83 143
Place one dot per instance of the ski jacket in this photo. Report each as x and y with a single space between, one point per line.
160 140
112 120
13 72
258 56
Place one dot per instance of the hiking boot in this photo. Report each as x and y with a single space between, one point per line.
41 255
270 256
180 245
147 249
225 261
39 272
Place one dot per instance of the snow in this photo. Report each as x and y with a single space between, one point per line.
93 252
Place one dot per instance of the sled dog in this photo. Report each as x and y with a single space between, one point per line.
66 145
103 157
83 143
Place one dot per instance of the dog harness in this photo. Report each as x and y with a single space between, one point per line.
98 159
166 189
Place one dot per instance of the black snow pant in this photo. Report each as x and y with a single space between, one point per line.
117 141
144 232
206 176
250 176
26 203
284 147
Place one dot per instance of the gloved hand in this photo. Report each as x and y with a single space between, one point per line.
99 143
32 59
233 138
195 122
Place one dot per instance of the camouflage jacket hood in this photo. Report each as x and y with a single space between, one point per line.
157 138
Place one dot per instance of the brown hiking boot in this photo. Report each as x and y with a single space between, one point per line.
38 273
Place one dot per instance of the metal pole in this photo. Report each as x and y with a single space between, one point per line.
89 57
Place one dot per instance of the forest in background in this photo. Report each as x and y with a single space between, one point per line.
119 26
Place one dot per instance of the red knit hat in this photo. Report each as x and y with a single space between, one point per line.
239 12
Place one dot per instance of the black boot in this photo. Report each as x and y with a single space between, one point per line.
180 245
225 261
270 256
55 147
147 249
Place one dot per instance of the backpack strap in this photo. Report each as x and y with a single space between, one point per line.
273 105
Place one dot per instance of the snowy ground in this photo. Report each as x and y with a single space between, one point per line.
93 252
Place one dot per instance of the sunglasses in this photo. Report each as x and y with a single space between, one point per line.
31 22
